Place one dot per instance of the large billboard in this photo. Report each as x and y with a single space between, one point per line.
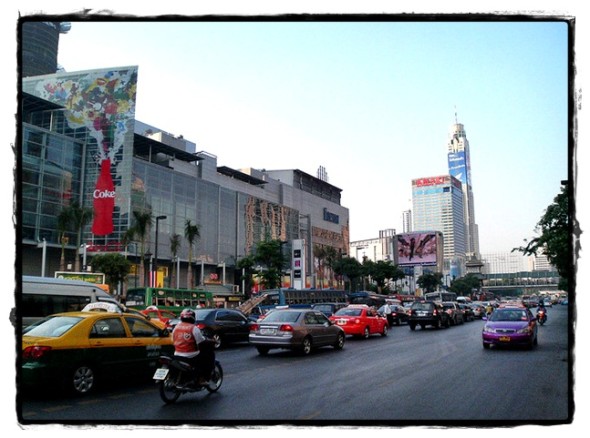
417 249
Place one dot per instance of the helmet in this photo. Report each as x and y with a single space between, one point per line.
187 315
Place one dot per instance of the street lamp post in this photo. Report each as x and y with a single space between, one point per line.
155 281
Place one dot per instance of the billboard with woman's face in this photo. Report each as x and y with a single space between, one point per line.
417 249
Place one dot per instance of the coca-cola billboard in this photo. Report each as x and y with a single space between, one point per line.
103 201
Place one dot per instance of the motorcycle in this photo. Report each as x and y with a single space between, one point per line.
176 377
541 317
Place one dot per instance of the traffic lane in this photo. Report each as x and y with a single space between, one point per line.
369 380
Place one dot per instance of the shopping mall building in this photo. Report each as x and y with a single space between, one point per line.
79 141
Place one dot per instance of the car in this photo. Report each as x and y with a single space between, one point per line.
510 325
156 314
455 312
328 309
223 326
396 314
425 313
295 329
468 313
76 350
479 310
360 320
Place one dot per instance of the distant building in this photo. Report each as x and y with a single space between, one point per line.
459 160
407 221
437 204
39 46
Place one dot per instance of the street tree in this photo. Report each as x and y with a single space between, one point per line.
348 267
191 233
430 281
80 217
554 237
269 254
142 223
464 286
175 242
114 266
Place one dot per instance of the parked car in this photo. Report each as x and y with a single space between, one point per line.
468 313
75 350
425 313
396 314
454 311
328 309
360 320
224 326
510 326
296 329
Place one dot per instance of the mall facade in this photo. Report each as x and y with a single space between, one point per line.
79 142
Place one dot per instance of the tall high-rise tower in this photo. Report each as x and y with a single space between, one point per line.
460 167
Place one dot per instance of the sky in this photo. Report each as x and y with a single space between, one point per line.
372 102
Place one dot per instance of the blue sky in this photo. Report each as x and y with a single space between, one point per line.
371 102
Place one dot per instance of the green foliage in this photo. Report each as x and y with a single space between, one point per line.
464 286
554 239
430 282
269 254
114 266
348 267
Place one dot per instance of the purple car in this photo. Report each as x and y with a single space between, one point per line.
510 326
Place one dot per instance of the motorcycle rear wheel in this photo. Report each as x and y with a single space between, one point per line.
216 378
169 392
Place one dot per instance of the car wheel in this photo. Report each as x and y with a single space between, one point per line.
423 326
486 346
339 345
412 326
384 332
263 351
366 333
306 346
437 324
83 379
217 340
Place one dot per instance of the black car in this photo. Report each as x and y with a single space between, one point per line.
425 313
468 312
395 315
224 326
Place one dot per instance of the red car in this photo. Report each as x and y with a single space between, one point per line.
360 320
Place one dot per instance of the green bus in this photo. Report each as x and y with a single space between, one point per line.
168 299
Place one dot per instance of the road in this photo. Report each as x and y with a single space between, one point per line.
423 377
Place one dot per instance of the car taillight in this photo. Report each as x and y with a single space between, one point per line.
434 312
201 326
286 328
35 352
254 327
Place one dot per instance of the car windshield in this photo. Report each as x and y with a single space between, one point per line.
349 312
508 315
278 316
52 327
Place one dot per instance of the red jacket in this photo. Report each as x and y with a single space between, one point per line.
184 339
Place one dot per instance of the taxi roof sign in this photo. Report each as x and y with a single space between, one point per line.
102 306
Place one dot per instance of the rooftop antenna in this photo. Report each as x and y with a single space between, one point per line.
456 114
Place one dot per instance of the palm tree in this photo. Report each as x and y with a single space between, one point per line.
191 232
319 252
143 222
126 239
80 217
174 247
64 220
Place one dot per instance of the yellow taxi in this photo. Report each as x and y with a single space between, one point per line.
79 349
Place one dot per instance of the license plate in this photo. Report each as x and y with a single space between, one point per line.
267 331
504 338
161 373
421 313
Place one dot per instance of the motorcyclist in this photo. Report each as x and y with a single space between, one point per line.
191 346
542 308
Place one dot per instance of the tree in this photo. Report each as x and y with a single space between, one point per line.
430 282
246 264
331 257
143 222
348 267
191 233
64 220
80 217
382 272
174 247
114 266
464 286
320 253
269 253
554 239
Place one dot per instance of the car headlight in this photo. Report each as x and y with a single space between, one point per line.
524 331
487 329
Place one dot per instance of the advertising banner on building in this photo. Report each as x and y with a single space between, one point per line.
414 249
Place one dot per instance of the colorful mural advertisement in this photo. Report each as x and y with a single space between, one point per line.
103 101
416 249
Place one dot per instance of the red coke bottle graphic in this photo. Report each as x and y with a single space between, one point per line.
104 201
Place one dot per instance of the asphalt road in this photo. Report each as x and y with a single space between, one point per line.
425 377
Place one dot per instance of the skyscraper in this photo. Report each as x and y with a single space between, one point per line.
460 167
437 204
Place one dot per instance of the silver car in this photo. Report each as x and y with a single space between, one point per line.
296 329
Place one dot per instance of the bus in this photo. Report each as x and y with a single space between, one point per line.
368 298
43 296
167 298
301 297
440 296
403 298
